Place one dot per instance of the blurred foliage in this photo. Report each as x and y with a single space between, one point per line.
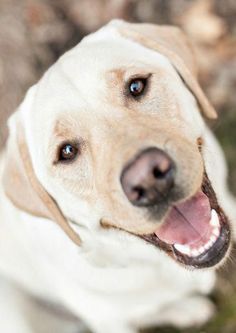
226 133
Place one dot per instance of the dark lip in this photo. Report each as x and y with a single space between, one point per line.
212 256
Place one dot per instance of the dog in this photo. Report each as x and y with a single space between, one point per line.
114 207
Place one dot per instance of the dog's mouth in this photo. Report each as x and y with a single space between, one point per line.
196 232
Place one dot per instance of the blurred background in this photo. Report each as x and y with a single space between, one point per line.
34 33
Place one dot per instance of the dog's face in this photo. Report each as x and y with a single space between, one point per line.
114 137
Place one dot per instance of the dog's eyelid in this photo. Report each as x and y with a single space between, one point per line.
140 76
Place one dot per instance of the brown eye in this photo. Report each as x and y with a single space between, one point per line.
68 152
137 86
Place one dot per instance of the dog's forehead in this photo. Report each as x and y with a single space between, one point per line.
78 79
77 82
86 64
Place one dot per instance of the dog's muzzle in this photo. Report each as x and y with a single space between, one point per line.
195 230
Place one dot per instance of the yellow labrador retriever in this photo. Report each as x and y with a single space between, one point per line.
113 185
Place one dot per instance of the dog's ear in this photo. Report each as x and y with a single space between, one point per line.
21 184
172 43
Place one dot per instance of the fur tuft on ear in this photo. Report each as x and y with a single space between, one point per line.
172 43
22 186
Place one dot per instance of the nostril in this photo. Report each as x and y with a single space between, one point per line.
139 192
158 174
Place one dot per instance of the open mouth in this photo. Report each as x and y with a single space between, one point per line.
196 232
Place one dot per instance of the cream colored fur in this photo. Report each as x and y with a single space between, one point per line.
114 282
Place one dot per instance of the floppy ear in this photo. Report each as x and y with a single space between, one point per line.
172 43
22 186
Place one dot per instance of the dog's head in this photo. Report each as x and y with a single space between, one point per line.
111 136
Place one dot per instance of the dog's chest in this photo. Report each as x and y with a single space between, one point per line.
118 270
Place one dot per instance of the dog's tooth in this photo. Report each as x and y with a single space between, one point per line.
214 219
206 246
202 249
216 232
209 244
185 249
195 252
213 238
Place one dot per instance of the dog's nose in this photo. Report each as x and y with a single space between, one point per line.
148 179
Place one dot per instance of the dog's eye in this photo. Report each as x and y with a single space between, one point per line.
137 87
68 152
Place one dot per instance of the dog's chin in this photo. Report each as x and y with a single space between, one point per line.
195 233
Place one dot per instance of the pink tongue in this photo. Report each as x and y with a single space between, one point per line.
187 222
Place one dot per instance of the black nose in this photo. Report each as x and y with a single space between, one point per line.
148 179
